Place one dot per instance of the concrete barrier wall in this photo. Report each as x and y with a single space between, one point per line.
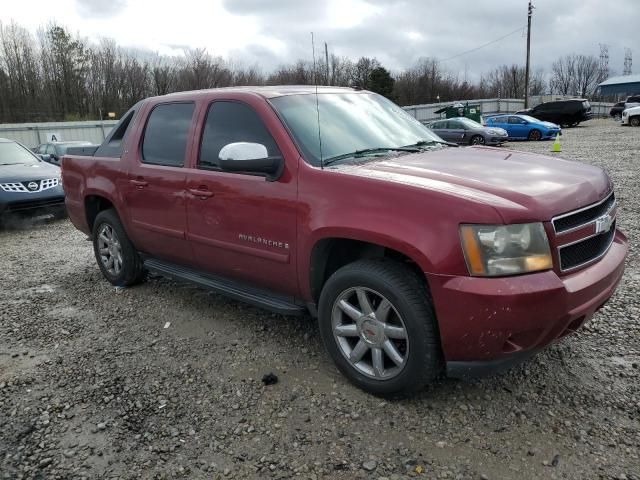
33 134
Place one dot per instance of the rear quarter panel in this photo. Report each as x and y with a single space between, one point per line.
86 176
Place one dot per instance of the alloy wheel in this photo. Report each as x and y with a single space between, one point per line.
110 249
370 333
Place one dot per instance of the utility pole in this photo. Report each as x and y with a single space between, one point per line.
326 57
526 71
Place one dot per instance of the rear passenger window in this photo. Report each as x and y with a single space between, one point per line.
165 136
230 122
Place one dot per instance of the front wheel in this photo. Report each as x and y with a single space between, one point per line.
534 135
477 140
635 121
378 325
117 258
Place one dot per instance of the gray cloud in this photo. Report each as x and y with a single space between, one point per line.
100 8
446 29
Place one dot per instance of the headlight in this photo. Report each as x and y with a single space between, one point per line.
495 250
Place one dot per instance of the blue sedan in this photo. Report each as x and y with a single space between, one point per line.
524 127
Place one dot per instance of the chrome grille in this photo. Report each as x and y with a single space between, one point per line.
578 218
587 250
595 223
24 187
13 187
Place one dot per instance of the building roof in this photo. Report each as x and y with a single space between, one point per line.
621 79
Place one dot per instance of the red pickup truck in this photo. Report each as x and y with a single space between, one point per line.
418 258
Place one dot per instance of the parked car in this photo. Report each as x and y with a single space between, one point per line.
616 111
417 258
631 116
28 185
466 131
52 152
632 101
566 113
524 127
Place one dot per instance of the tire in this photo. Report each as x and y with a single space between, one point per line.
477 140
534 135
410 310
617 117
634 121
130 269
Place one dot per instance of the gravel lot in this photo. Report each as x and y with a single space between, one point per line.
94 385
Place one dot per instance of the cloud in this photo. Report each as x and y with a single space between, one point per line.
100 8
397 32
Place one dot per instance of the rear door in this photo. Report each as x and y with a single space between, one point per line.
440 129
155 197
241 225
500 122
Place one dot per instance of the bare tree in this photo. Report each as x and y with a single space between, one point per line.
563 72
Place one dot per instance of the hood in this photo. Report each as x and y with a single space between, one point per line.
23 172
521 186
550 125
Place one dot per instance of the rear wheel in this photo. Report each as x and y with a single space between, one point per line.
635 121
617 117
477 140
117 258
535 135
378 325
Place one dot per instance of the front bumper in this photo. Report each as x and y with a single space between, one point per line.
488 323
19 203
551 134
496 139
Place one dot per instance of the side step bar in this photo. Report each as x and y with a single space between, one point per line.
236 290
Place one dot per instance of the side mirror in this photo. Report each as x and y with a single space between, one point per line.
45 157
248 157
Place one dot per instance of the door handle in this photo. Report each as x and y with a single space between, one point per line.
139 183
203 194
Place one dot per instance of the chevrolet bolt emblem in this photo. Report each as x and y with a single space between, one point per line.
603 223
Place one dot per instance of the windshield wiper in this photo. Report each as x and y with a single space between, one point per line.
369 151
426 143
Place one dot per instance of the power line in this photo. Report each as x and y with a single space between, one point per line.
519 29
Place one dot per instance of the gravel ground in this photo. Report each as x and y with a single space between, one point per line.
164 380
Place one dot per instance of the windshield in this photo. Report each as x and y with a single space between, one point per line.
12 154
349 122
529 119
469 123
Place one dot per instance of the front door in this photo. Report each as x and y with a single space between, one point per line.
456 132
518 127
241 225
155 195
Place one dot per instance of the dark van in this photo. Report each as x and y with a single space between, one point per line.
566 113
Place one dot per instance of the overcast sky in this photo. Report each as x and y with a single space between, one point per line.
397 32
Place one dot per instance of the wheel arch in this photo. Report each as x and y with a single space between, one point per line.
330 253
94 203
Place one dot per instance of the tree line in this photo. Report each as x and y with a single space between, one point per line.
56 76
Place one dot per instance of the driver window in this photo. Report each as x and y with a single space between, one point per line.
230 122
516 120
